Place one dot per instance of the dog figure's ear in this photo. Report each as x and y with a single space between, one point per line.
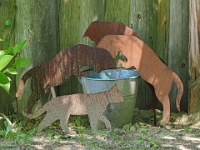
120 56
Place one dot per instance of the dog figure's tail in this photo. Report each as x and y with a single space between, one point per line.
179 85
36 114
22 82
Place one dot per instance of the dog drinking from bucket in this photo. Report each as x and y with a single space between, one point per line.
149 66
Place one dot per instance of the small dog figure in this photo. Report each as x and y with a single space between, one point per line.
59 69
149 66
78 104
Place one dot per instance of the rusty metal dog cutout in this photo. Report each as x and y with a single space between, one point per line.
98 29
149 66
78 104
59 69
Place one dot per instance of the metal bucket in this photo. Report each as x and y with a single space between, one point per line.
119 114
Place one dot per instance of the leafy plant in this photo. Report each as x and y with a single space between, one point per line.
8 61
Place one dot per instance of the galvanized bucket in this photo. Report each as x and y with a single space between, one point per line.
119 114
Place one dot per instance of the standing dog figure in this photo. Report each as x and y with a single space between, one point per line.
149 66
98 29
59 69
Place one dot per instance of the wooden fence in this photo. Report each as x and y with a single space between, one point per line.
50 26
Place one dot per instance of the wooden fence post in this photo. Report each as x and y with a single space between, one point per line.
194 57
143 21
75 17
37 22
178 48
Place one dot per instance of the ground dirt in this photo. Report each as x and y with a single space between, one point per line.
182 133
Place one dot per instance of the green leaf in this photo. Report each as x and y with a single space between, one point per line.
8 22
6 87
7 43
8 129
1 39
2 132
11 71
143 131
2 52
139 139
4 60
19 46
21 62
3 78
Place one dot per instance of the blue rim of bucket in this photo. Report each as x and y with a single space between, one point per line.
97 79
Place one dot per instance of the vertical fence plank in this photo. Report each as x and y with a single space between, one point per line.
36 21
143 21
90 10
75 17
163 19
7 12
117 11
178 47
194 55
69 23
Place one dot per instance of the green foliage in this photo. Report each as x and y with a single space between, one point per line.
8 61
7 130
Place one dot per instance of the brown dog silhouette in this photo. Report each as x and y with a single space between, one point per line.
98 29
149 66
60 108
59 69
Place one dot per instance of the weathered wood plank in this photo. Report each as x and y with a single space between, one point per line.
37 22
75 17
143 21
69 23
162 36
7 12
194 61
178 47
117 11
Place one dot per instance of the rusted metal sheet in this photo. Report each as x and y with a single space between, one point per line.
59 69
149 66
98 29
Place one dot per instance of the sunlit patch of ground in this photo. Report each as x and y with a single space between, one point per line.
182 133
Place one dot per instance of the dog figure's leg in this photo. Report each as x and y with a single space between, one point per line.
48 119
33 98
154 98
64 123
93 122
166 110
104 119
